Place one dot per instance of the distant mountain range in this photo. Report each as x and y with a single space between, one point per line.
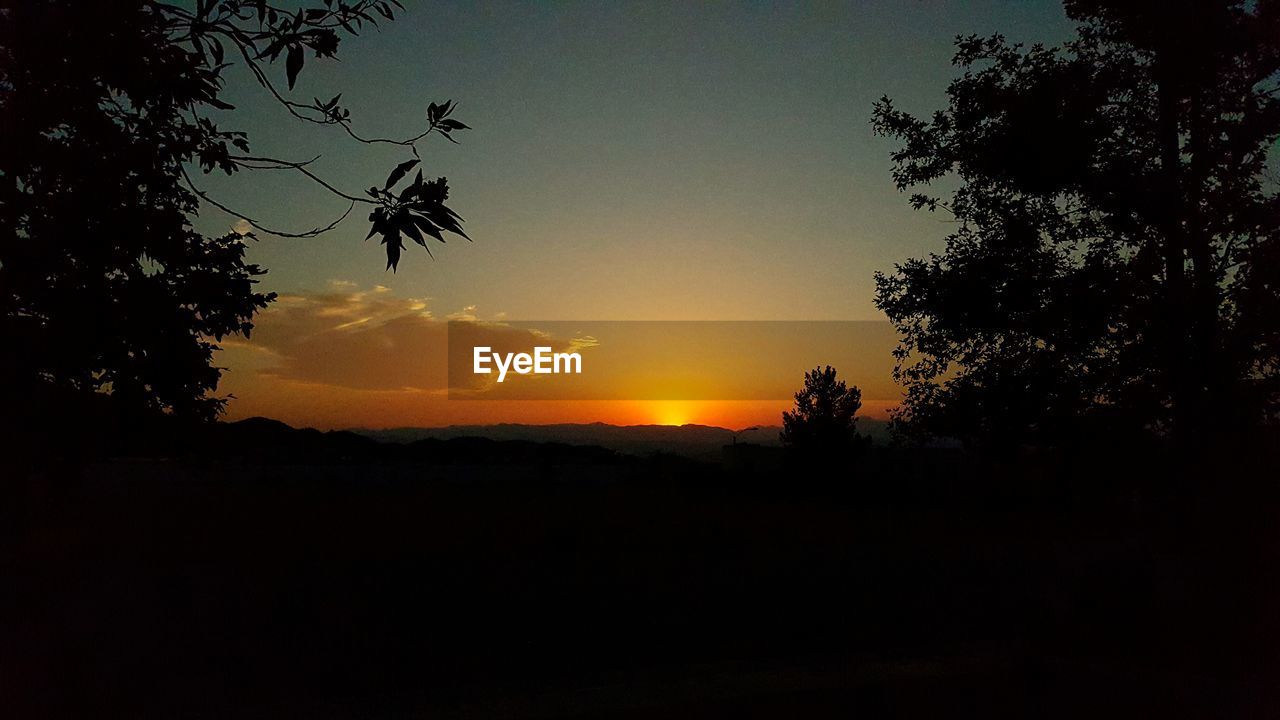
701 442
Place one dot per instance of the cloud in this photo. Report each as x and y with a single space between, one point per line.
345 336
467 313
349 337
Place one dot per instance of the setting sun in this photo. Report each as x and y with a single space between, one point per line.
673 413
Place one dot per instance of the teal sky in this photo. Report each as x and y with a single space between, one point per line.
628 161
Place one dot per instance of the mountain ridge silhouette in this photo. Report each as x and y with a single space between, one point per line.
689 440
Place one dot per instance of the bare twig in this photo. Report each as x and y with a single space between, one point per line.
255 163
279 233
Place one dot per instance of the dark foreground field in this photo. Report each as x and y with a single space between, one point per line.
567 584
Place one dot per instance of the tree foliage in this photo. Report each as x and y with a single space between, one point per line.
1117 227
825 413
107 125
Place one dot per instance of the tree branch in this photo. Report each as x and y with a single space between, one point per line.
279 233
325 118
274 164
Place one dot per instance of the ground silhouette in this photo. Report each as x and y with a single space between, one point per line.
257 569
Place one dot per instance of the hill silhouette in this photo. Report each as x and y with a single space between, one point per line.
700 442
264 439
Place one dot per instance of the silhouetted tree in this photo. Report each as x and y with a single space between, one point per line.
1117 235
825 414
106 115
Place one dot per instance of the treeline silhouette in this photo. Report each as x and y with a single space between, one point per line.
105 285
1115 232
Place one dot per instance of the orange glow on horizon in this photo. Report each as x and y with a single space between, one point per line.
367 358
330 408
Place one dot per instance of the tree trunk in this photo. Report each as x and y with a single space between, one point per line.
1207 369
1169 220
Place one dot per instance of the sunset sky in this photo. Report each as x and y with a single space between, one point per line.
627 162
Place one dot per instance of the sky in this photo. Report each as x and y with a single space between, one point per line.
628 161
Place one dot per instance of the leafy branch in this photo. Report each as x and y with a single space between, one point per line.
260 33
416 211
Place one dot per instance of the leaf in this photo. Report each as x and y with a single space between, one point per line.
273 50
391 239
428 227
412 231
448 223
399 172
293 64
378 219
